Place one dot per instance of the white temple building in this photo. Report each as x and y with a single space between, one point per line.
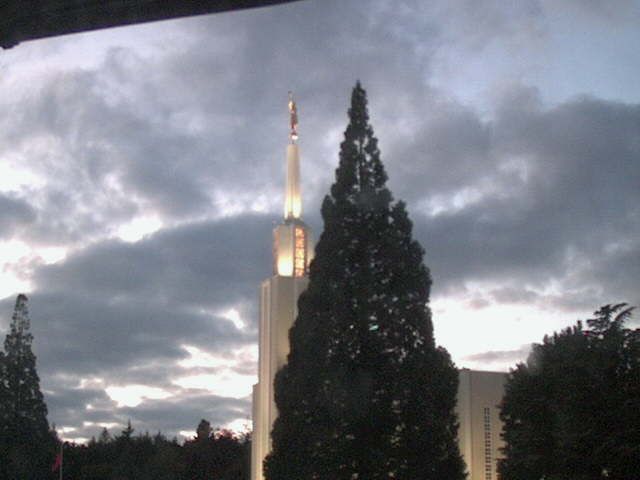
479 393
292 253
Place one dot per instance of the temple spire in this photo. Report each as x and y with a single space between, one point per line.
292 255
293 200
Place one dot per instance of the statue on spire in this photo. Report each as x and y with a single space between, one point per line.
293 119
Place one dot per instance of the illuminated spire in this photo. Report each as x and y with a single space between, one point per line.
293 200
292 247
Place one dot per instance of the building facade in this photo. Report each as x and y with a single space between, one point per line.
292 253
479 433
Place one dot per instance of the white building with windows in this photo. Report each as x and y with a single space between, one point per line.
292 253
479 394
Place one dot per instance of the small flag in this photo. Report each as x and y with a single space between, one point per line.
57 463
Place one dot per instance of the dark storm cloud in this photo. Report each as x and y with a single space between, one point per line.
196 130
304 47
87 336
448 149
185 132
556 197
14 214
103 161
121 309
64 405
201 265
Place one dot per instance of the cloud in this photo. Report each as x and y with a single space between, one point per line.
500 356
562 206
134 135
15 213
117 304
210 264
92 338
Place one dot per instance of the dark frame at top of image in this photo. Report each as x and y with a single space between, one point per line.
22 20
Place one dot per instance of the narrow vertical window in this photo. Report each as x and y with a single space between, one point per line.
488 470
299 253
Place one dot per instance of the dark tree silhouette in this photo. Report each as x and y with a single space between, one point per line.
26 444
220 454
573 410
203 431
366 393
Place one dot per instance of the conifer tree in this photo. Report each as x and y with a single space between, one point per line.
365 393
25 440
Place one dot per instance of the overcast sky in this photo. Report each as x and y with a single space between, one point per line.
142 170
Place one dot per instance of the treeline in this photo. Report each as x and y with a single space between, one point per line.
218 454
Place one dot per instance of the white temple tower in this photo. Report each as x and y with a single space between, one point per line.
292 253
480 427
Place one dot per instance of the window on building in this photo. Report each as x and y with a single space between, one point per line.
299 258
488 470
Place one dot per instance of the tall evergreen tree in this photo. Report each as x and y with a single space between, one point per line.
25 440
366 393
